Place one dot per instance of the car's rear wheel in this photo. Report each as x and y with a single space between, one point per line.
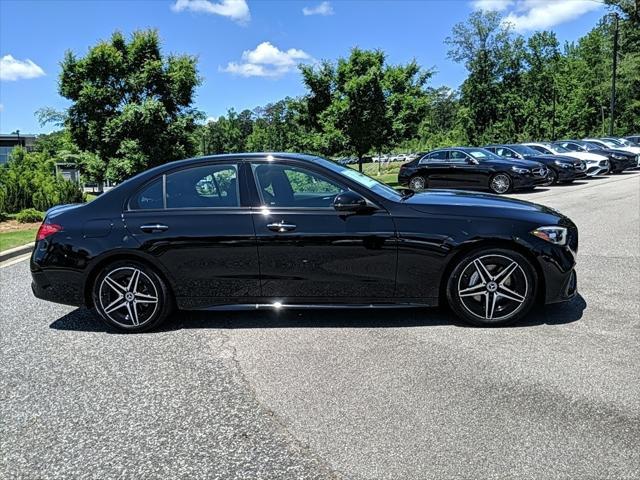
418 182
131 296
501 183
492 287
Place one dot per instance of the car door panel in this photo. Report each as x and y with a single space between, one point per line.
320 253
211 252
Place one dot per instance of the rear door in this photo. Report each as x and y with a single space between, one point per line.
195 222
437 169
309 252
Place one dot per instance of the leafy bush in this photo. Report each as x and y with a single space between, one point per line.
29 215
28 180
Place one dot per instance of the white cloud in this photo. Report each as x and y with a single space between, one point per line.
211 119
267 60
323 9
537 14
236 10
12 69
491 5
1 107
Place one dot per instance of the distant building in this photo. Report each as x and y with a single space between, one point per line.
11 141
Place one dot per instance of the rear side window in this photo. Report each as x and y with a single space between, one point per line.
208 186
150 197
439 156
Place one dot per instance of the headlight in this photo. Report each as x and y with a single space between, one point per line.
618 157
556 235
563 164
519 170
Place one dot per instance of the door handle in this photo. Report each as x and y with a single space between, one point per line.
281 227
158 227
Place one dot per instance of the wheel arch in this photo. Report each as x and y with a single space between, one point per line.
122 256
466 248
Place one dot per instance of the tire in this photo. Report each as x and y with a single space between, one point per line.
501 298
131 304
418 182
552 177
501 183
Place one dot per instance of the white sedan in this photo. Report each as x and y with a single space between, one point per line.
596 164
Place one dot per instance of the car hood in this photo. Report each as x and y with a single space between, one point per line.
549 158
585 156
474 204
518 163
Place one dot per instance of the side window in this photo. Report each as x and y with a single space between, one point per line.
150 197
439 156
457 156
539 149
505 152
289 186
203 187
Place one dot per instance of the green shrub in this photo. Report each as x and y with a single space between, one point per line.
29 215
4 216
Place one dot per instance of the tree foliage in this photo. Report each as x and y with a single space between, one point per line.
131 104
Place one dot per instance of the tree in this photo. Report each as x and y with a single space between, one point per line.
480 43
357 116
131 104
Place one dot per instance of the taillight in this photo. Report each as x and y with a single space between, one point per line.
47 229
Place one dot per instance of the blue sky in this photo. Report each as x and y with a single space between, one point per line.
247 50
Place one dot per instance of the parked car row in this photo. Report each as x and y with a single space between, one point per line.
504 168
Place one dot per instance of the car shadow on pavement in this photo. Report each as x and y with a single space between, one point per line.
529 191
84 320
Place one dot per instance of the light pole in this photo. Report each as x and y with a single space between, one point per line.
613 74
17 132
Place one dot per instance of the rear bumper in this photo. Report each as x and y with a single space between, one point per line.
58 286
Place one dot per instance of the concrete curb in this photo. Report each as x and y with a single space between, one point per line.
16 251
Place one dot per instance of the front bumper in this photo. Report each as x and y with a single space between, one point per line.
521 182
597 167
570 174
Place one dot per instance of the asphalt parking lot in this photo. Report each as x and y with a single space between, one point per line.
340 394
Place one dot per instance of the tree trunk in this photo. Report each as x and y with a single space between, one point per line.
360 163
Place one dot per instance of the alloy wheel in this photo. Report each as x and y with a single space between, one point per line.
501 183
552 177
417 183
128 297
493 287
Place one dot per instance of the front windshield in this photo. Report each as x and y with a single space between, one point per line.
612 143
366 181
590 146
560 149
524 150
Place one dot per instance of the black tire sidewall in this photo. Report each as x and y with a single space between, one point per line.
452 283
165 299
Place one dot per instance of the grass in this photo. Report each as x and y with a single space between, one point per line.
388 172
17 237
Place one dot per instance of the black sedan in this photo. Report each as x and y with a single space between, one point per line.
618 159
289 230
471 169
561 169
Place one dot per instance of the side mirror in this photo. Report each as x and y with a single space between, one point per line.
350 201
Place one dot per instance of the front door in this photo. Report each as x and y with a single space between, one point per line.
311 253
193 222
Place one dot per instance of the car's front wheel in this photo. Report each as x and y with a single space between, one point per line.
492 287
552 178
418 182
501 183
131 296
